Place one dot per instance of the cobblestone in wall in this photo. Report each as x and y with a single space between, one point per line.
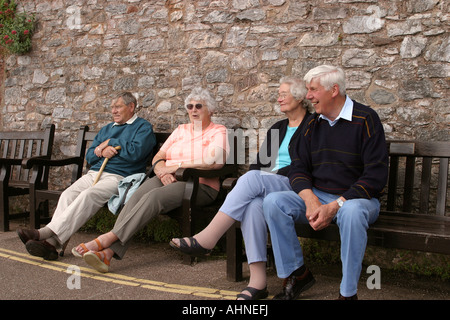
395 54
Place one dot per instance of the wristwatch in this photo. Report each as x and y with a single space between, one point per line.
340 202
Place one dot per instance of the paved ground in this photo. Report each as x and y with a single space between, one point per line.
155 272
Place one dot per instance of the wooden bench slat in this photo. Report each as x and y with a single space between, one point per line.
425 184
439 149
401 148
414 224
409 183
392 182
442 187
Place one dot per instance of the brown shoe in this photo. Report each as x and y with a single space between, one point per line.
341 297
41 248
294 285
27 234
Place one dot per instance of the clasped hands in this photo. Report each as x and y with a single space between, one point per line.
319 215
105 151
166 174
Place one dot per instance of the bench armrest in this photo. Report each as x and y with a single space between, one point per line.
10 162
183 174
44 161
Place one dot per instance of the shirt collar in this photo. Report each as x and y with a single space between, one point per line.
346 112
130 121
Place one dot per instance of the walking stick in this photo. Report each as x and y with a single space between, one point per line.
103 167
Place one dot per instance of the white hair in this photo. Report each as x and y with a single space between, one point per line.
298 90
201 94
328 76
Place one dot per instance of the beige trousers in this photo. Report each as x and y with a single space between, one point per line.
81 201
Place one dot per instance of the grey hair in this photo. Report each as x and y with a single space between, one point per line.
328 76
298 90
128 98
201 94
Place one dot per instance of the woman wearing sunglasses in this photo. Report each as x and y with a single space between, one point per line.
244 202
199 144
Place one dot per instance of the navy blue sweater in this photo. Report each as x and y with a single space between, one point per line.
349 159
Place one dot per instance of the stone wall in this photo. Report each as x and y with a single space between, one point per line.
395 54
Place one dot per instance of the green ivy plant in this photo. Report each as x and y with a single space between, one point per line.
16 29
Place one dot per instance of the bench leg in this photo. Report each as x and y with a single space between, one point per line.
4 213
34 212
187 228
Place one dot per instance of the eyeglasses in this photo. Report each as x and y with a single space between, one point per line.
283 96
197 106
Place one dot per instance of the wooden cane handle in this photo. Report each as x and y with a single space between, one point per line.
103 167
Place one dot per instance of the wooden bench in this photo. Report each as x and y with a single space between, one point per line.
414 213
17 148
187 214
41 194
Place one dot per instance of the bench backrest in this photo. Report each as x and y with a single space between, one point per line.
86 137
425 162
161 137
26 144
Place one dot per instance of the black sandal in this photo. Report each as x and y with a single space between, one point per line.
255 294
195 249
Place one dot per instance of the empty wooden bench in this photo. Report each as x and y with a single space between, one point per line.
17 148
414 213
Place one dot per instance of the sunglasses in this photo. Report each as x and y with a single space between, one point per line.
197 106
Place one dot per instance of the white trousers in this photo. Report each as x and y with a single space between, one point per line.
81 201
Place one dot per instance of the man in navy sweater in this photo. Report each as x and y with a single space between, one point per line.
338 172
84 198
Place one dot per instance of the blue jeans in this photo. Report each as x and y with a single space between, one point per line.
244 203
282 210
